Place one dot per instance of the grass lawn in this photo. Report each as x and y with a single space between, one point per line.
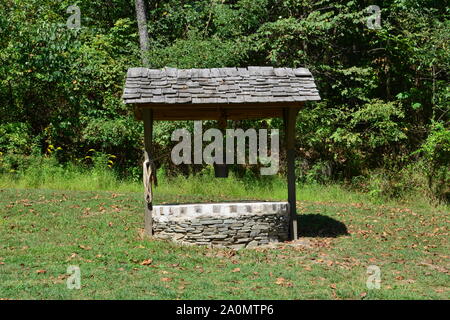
43 232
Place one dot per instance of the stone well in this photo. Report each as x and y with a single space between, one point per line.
232 225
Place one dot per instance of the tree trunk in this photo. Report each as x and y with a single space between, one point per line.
142 26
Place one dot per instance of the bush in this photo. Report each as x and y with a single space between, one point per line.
436 165
16 138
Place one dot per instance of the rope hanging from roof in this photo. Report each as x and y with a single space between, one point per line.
149 176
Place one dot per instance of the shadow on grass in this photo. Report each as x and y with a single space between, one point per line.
317 225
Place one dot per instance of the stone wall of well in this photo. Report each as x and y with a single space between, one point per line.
232 225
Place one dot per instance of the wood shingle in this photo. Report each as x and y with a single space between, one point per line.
219 85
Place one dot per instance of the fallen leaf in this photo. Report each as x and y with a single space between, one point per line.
282 282
73 255
146 262
236 270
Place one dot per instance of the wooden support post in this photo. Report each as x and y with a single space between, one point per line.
147 115
221 170
290 116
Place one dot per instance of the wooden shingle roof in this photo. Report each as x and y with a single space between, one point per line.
219 86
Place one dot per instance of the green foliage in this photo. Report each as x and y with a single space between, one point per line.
436 148
15 138
199 53
373 126
383 91
111 134
436 157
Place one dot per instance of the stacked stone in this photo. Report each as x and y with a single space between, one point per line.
223 225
